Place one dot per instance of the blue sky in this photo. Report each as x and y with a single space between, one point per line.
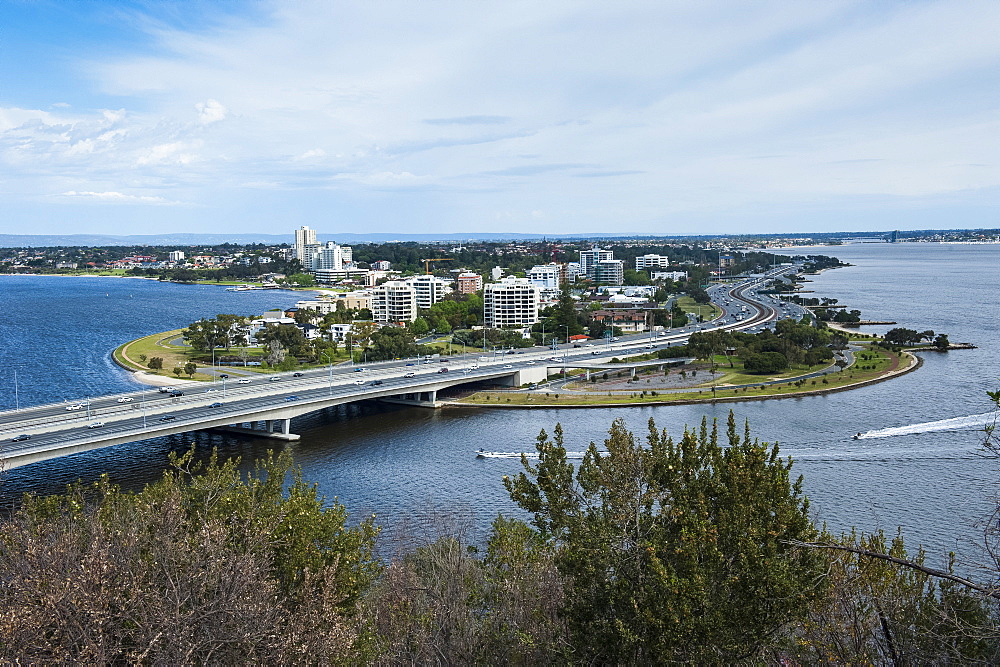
540 117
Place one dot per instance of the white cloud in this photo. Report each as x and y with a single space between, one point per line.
210 111
465 108
118 198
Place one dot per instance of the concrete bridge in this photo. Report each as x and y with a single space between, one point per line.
266 406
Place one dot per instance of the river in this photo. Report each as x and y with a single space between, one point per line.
413 466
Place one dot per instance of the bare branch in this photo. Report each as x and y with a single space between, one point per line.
991 592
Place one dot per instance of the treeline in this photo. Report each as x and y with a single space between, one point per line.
651 551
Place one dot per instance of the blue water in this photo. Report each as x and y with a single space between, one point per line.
415 467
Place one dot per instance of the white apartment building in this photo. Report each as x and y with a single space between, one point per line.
546 275
303 237
429 289
511 302
609 272
394 301
651 262
382 265
590 258
176 256
572 271
671 275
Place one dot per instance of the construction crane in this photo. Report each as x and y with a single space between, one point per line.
427 262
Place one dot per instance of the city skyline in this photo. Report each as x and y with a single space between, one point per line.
562 118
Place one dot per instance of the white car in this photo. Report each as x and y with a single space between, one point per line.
95 424
359 382
243 381
507 366
410 375
75 406
125 399
530 363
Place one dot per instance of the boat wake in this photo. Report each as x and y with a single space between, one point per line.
967 423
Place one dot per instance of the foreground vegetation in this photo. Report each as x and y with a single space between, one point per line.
699 549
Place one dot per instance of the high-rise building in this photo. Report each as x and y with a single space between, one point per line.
468 283
429 289
651 262
394 301
176 256
609 272
546 275
590 258
303 237
510 302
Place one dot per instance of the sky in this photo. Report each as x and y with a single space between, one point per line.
559 117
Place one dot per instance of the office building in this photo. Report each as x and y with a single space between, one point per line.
651 262
609 272
590 258
468 283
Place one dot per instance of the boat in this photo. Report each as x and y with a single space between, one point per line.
856 436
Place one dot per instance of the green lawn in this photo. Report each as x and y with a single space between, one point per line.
707 311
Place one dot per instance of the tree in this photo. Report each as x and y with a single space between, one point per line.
207 562
190 368
178 371
765 362
941 342
155 363
901 336
677 551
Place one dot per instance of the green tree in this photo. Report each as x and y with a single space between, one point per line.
155 363
677 551
765 362
190 368
178 371
941 342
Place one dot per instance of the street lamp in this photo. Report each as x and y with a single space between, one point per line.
329 357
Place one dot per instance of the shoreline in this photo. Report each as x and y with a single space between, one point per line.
915 362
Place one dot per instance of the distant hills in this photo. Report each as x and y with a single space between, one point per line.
179 239
49 240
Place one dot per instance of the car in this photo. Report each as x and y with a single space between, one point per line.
474 367
273 378
216 405
442 370
507 366
95 424
614 339
411 364
410 375
361 369
209 391
375 383
243 381
530 362
124 399
359 382
168 418
166 390
291 398
595 352
20 438
296 375
176 393
223 376
75 406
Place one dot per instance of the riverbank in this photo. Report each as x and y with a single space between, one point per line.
852 377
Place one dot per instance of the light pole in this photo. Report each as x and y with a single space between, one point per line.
17 404
144 406
566 326
329 358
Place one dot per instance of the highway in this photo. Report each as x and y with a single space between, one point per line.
62 428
